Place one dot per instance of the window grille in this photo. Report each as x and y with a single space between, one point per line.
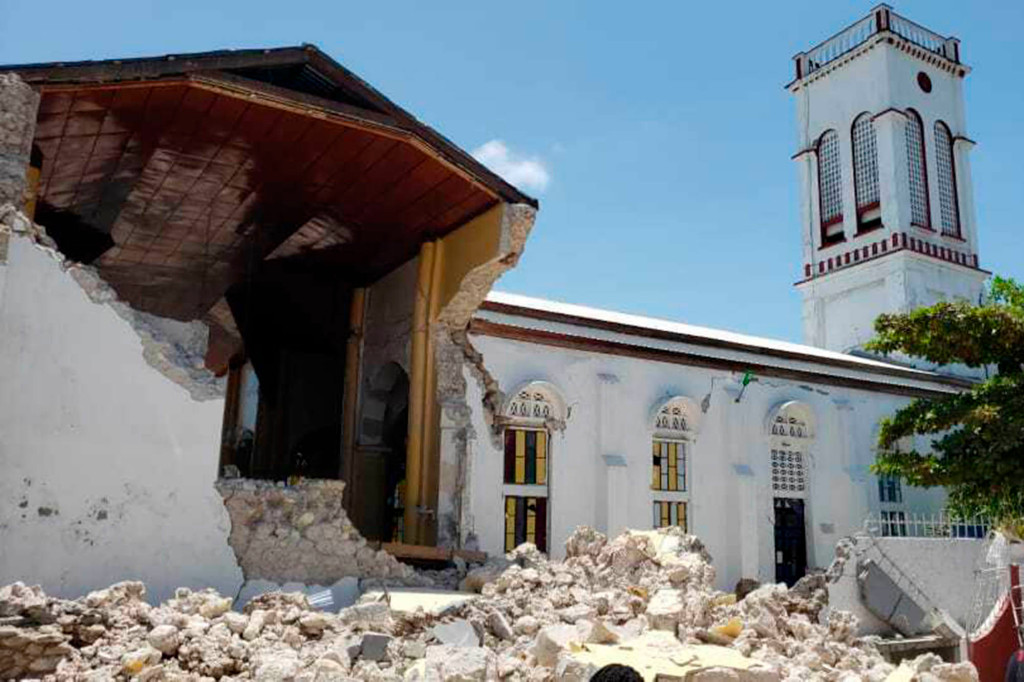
830 187
948 205
530 404
865 163
890 489
918 170
669 466
790 425
789 477
526 520
894 524
668 514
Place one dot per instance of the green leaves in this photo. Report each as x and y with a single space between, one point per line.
977 449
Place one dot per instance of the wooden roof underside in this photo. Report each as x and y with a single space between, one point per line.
192 173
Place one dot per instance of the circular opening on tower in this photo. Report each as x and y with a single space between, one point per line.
924 82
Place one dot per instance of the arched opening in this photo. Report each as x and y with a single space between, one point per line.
830 188
865 173
949 205
377 489
529 413
917 169
791 431
673 429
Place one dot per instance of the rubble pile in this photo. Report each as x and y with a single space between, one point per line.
643 597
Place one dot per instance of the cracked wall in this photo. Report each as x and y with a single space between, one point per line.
108 467
454 353
175 349
301 533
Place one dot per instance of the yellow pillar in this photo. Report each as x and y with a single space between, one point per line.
350 398
32 189
417 381
431 414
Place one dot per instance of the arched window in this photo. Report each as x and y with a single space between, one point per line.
865 172
529 412
830 187
791 427
948 204
674 428
920 214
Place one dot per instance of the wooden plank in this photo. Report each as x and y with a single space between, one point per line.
401 550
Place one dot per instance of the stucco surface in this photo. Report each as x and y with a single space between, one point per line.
600 462
108 466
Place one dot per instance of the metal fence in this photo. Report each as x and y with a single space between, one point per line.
895 523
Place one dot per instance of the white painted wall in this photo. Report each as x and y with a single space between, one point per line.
611 399
106 466
839 309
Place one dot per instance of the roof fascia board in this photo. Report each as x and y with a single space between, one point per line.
486 327
722 344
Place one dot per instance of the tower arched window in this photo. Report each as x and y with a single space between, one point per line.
865 172
917 168
529 413
948 204
830 187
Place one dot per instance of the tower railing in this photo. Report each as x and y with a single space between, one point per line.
881 20
917 34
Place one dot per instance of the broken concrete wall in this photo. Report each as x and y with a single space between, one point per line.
945 570
301 533
457 360
18 105
108 467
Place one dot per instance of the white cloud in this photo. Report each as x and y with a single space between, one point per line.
524 172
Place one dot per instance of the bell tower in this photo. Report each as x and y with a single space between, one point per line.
887 208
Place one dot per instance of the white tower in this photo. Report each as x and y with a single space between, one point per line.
887 206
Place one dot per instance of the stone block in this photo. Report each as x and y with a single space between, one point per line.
374 646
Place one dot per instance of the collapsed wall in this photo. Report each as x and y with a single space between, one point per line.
108 467
643 599
301 533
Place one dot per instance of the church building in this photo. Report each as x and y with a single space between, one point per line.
759 447
248 332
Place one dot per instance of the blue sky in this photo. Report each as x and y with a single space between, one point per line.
662 128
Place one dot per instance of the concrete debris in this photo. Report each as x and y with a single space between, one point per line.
301 533
644 599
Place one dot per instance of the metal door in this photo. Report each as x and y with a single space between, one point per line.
790 540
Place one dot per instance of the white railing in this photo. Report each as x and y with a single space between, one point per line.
840 43
917 34
901 524
881 19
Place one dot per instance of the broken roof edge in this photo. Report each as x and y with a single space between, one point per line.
109 71
637 325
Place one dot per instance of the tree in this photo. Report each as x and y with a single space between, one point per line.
977 449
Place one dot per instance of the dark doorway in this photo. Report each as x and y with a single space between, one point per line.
378 486
294 324
790 540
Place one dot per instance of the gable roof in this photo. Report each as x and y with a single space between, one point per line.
303 72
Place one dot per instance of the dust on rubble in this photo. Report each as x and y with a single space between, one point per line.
644 598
